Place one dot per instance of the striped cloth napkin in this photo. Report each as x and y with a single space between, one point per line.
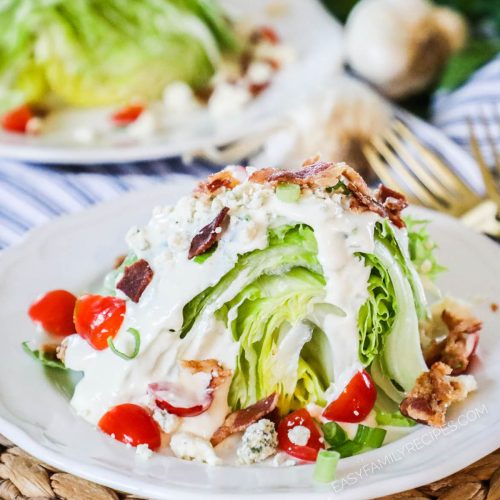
31 195
478 100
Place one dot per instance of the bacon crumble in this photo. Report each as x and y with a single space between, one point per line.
217 371
386 203
393 202
217 182
434 391
135 280
209 235
239 420
459 345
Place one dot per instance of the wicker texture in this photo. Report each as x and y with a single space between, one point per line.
24 477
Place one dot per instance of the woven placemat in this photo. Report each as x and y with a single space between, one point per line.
24 477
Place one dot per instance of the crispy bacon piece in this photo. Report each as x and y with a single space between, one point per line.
319 174
135 280
265 34
393 202
257 88
217 182
217 371
434 391
239 420
209 235
386 203
459 345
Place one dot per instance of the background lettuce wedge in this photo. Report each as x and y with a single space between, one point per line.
96 52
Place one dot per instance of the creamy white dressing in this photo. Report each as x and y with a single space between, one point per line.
164 242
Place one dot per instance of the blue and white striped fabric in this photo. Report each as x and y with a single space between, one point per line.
31 195
477 100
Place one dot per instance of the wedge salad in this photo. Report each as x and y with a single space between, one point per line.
271 316
150 62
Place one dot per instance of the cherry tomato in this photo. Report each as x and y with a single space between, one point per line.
131 424
17 119
310 450
355 402
54 312
168 397
97 318
127 114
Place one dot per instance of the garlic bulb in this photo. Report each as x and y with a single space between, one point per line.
401 45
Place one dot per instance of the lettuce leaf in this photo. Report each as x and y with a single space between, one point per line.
289 246
397 244
271 328
401 361
422 249
98 52
389 320
280 347
376 316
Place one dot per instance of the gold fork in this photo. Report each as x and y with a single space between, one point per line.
403 163
489 182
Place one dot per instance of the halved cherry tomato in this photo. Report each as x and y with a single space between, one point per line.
169 397
131 424
311 449
97 318
355 402
54 312
127 114
17 119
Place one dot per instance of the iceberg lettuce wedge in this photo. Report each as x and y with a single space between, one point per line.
89 52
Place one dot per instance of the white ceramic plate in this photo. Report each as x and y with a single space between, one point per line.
314 36
71 251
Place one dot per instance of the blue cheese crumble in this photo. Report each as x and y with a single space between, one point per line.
299 435
191 447
259 441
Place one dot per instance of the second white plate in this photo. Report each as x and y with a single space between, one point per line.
314 36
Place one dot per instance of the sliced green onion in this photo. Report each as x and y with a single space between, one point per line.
199 259
325 469
349 448
340 187
135 352
370 437
396 419
43 358
366 438
334 434
289 193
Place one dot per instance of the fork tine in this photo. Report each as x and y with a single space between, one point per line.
489 182
490 136
382 169
421 173
448 177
